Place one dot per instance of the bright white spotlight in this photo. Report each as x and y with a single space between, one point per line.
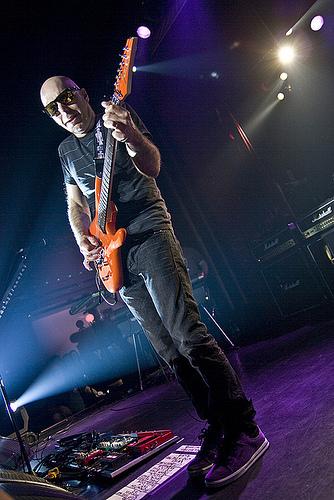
280 96
143 32
317 23
283 76
134 68
289 32
286 54
14 406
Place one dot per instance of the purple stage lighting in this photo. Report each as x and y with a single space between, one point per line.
143 32
317 23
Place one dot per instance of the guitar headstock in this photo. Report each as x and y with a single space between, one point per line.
124 73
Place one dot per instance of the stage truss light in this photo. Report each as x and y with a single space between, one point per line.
289 32
280 96
286 54
283 76
143 32
14 406
317 23
134 69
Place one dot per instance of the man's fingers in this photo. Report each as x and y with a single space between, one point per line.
115 116
105 104
90 257
93 254
119 136
94 241
87 265
114 109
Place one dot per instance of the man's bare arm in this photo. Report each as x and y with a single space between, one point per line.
78 212
79 218
144 154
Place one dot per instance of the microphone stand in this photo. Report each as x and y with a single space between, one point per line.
14 281
195 282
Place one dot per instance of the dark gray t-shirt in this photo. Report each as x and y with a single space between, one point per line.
140 205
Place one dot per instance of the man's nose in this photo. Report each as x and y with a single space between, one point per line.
63 109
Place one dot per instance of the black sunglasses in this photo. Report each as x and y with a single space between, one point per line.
66 97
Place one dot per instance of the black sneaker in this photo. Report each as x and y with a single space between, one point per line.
205 458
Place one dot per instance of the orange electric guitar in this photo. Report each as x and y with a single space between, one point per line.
103 225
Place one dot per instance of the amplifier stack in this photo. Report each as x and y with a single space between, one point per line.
297 263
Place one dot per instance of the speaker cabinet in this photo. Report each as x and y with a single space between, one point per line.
294 283
322 253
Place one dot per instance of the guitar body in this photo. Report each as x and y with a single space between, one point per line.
110 268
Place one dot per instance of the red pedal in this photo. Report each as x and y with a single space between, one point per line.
92 456
149 440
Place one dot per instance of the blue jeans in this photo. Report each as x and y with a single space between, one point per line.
158 292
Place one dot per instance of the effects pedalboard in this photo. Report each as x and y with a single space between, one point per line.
91 456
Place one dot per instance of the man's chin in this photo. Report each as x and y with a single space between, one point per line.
76 128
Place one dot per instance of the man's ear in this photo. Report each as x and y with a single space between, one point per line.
84 94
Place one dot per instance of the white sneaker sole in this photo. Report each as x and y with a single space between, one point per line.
242 470
200 472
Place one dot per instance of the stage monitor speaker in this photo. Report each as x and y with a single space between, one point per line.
293 283
322 252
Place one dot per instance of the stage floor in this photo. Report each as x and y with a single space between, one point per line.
290 380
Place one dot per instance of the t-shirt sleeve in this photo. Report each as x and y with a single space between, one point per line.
139 122
68 179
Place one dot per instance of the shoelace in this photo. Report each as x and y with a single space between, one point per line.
208 438
203 434
203 438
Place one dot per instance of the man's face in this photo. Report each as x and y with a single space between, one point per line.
73 113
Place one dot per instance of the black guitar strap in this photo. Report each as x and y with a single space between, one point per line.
99 147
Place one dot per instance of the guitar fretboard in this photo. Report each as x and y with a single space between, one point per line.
107 175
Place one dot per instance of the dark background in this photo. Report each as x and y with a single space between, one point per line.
223 198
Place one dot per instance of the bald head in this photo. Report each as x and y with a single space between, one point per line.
52 87
76 116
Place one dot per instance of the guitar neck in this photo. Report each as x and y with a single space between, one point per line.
122 90
107 175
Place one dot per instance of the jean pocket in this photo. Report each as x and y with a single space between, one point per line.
156 255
